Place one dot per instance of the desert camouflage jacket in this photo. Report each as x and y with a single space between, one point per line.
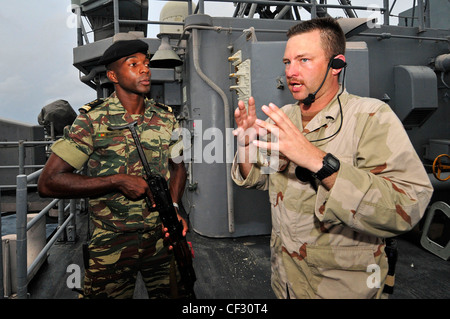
326 243
105 152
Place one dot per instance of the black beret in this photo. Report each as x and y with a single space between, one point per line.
122 49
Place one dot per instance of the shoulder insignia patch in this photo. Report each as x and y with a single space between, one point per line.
91 105
164 106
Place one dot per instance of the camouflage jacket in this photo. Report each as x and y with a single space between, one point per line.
88 141
325 244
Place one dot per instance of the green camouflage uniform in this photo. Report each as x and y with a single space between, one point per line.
328 244
127 235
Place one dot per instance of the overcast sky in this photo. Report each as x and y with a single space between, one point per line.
36 53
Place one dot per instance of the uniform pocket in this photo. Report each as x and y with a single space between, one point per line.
156 151
342 272
287 219
110 155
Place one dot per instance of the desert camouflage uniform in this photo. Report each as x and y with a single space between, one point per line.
327 244
127 236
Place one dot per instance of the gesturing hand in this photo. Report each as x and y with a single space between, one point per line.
246 131
289 140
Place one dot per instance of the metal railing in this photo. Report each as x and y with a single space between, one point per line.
247 9
21 145
66 229
64 224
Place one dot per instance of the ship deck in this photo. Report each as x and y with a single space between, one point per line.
239 268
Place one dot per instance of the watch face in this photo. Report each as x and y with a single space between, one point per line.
333 162
330 165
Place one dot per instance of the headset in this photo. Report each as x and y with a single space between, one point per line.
302 173
335 63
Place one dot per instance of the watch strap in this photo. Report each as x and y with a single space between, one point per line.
327 169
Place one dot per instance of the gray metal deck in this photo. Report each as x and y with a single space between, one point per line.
239 268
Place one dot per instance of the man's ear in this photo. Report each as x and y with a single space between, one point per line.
342 58
112 76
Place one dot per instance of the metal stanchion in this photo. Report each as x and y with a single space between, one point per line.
21 206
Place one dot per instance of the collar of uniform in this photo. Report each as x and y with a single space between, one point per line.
116 107
150 105
329 113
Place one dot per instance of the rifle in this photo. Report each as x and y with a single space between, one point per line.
162 202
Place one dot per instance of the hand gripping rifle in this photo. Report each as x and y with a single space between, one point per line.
162 202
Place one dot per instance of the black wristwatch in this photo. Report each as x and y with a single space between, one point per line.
330 165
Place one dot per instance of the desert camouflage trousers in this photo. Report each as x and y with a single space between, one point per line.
316 272
116 258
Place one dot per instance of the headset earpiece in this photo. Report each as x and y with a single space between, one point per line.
338 63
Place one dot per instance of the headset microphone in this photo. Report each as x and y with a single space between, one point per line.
334 64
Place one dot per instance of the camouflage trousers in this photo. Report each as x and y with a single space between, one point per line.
116 258
321 272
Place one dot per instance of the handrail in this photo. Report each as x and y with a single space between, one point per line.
47 247
21 144
313 6
287 4
44 211
23 271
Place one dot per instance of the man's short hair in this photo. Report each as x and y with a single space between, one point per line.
333 38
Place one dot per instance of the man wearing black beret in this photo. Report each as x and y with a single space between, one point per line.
128 236
122 49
